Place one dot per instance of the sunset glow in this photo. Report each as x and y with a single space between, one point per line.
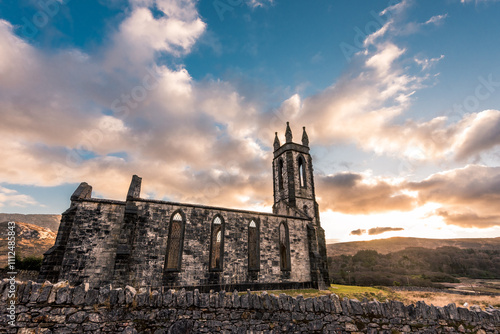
400 100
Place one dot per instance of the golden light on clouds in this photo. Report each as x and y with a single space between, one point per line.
133 106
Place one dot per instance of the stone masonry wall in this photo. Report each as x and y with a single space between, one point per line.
59 308
93 241
150 246
91 247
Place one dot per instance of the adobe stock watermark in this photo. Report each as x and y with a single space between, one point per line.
214 186
409 165
47 9
223 6
11 267
349 50
483 91
121 108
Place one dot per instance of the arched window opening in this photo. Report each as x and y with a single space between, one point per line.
216 244
284 246
253 246
175 242
302 172
280 174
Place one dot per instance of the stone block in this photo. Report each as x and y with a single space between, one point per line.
104 293
45 292
91 297
130 294
63 295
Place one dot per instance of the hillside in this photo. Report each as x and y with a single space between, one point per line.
31 240
385 246
47 221
415 266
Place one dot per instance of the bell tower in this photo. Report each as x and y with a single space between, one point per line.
293 184
293 177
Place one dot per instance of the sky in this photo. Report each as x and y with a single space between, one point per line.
400 100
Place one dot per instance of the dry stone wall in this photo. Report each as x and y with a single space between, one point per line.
60 308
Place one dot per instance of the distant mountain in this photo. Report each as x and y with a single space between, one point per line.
395 244
47 221
31 240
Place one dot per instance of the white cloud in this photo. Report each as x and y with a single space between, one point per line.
173 131
141 35
478 1
378 89
176 131
259 3
427 63
13 198
436 19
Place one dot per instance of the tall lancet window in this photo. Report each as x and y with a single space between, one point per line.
284 245
175 242
217 244
280 174
253 246
302 172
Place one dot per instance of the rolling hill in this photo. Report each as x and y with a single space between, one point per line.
47 221
31 240
385 246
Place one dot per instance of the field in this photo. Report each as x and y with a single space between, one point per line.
475 285
383 294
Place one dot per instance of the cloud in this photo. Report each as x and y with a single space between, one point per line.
354 193
376 91
478 1
468 219
69 116
380 230
478 132
13 198
357 232
190 141
428 62
141 36
437 19
468 196
259 3
376 230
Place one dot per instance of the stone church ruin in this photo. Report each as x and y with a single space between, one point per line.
151 243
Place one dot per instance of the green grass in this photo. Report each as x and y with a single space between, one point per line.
349 291
361 292
383 294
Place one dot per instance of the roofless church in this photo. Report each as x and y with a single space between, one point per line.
143 242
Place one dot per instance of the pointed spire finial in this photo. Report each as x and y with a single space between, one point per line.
277 143
288 133
305 138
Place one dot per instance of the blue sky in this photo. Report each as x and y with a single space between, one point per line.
400 99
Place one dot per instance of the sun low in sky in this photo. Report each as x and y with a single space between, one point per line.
401 101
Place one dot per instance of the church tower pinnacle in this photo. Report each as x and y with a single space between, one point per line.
293 181
277 143
288 133
305 138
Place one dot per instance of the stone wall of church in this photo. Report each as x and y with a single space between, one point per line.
98 234
149 246
88 253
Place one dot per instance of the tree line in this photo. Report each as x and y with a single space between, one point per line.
414 266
